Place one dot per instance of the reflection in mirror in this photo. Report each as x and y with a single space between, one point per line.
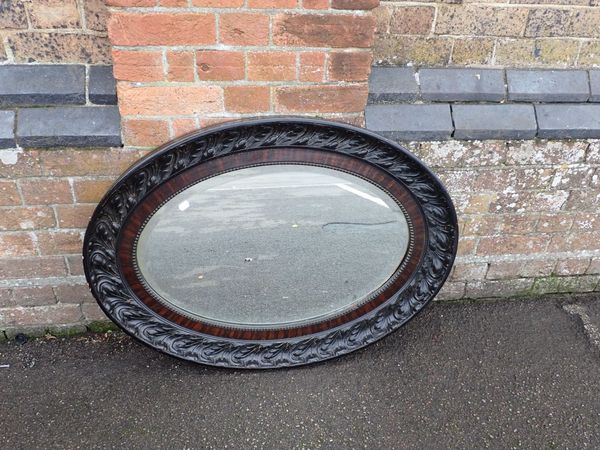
272 246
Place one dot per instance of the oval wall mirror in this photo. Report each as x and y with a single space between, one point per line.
270 243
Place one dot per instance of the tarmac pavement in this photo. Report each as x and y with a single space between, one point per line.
495 374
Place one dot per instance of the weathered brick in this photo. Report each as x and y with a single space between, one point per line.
34 296
349 66
318 99
74 216
54 14
477 20
548 22
587 200
26 218
589 55
564 285
512 245
412 50
73 293
462 154
93 313
145 133
575 241
91 191
12 15
162 29
584 22
546 152
59 242
46 191
9 195
55 47
312 66
220 65
411 20
312 30
451 291
180 66
247 99
271 66
169 100
529 201
138 65
6 298
537 52
526 268
466 272
75 265
33 267
134 3
96 15
16 244
498 288
40 315
244 29
471 51
74 162
554 223
466 246
572 266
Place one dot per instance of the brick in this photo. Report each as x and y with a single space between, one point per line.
568 121
412 50
93 313
180 66
54 47
266 4
313 30
465 272
69 126
451 291
527 268
102 89
26 218
244 29
354 4
548 22
16 244
410 122
40 315
16 163
13 15
315 4
572 266
218 3
392 84
584 23
183 126
349 66
545 152
462 84
320 99
589 55
411 20
74 216
472 51
494 121
466 246
76 162
575 241
312 66
162 29
595 85
6 298
90 191
54 14
59 242
35 267
220 65
174 3
537 52
272 66
530 201
73 293
96 15
46 191
34 296
548 85
7 126
512 245
587 200
135 3
478 20
42 84
554 223
247 99
499 288
169 100
138 65
564 285
145 133
75 265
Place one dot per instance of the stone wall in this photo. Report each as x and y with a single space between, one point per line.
504 33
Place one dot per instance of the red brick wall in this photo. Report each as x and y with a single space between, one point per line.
180 68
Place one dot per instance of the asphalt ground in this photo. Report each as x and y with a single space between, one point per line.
501 374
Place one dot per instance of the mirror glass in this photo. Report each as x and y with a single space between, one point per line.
272 246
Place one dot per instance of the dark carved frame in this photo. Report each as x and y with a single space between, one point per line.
115 296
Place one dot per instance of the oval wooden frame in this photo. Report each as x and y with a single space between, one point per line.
111 235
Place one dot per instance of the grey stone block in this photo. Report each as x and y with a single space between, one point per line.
494 121
548 85
69 126
462 84
595 85
101 86
42 85
392 84
570 121
7 129
410 122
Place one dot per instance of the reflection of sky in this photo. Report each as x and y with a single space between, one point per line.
272 244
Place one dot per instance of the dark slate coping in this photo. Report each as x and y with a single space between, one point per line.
462 84
392 84
494 121
101 85
7 129
595 85
568 121
548 85
35 85
410 122
69 126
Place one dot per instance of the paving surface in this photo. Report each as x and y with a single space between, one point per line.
520 374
